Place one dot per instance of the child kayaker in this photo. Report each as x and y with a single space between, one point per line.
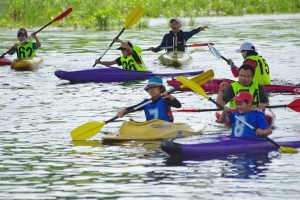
131 57
159 109
244 111
251 57
26 49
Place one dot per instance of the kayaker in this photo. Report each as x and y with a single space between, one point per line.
176 37
131 58
251 57
159 109
26 49
255 118
245 83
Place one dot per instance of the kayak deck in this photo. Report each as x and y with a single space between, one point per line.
152 130
27 64
175 58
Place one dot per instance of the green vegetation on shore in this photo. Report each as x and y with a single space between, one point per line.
111 13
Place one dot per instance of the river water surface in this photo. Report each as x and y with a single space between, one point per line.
38 159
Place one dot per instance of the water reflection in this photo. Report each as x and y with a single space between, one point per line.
240 166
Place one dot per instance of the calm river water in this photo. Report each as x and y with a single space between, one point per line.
38 159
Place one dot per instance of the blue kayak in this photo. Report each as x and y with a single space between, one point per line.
223 144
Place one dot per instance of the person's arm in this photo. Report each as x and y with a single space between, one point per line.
38 44
162 44
263 97
120 114
189 34
225 93
11 52
262 124
126 46
173 102
224 115
106 63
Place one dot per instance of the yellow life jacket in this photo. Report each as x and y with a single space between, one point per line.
25 50
252 89
262 73
130 63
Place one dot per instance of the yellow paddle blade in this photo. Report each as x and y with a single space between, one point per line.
134 16
202 78
86 130
195 87
288 149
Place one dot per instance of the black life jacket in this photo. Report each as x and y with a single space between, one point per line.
177 41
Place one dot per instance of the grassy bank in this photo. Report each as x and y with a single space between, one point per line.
110 13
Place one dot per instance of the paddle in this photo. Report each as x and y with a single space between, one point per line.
195 87
90 129
61 16
133 17
294 105
217 54
187 45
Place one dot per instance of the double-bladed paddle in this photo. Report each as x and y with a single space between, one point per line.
294 105
187 45
90 129
61 16
217 54
133 17
195 87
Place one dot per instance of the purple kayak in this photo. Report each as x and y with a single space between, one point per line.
113 74
221 145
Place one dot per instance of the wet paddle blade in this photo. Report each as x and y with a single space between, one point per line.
202 78
214 51
64 14
288 150
295 105
195 87
86 130
134 16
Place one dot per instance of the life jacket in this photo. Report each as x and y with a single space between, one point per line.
130 63
253 89
262 73
158 110
26 50
177 41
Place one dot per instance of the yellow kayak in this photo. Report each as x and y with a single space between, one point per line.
175 58
152 130
27 64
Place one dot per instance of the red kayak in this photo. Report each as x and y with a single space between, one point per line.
5 61
270 116
213 85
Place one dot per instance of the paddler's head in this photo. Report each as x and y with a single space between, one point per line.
125 52
155 86
22 34
247 49
246 75
243 101
175 25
